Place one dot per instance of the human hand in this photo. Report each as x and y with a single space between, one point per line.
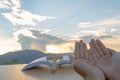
107 60
83 63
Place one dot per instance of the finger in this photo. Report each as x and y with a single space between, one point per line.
102 46
97 47
81 68
111 51
93 57
94 51
76 50
81 49
90 57
86 52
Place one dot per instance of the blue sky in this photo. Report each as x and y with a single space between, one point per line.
57 24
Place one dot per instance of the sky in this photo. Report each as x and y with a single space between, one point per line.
54 25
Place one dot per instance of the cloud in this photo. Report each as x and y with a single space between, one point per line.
104 22
98 32
92 34
114 30
39 40
5 4
24 32
8 44
110 41
14 5
19 16
87 38
113 42
24 18
84 24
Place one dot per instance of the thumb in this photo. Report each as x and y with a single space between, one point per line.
83 68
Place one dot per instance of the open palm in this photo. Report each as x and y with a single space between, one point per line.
83 63
106 60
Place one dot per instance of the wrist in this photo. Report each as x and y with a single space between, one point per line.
88 72
98 74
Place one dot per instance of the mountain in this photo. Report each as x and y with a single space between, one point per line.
25 56
21 57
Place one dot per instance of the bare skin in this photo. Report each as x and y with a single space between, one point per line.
107 60
96 61
84 63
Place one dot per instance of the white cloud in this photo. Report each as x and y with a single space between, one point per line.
87 35
84 24
5 4
98 32
25 32
24 18
20 16
38 39
15 5
8 44
87 38
28 32
45 31
114 30
104 22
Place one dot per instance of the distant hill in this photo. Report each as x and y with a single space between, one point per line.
21 57
24 56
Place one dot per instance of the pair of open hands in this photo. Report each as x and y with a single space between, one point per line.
96 63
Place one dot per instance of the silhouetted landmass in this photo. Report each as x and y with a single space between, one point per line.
23 57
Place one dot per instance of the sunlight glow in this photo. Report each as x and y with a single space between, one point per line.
8 45
52 49
3 51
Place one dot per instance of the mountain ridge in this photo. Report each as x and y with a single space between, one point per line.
23 56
